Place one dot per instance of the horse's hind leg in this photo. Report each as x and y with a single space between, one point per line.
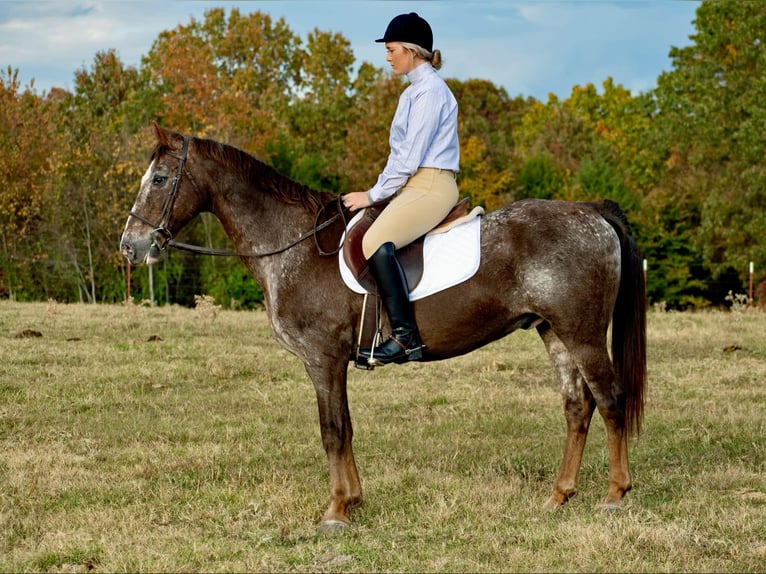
619 470
594 362
579 405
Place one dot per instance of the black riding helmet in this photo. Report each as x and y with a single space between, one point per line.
409 28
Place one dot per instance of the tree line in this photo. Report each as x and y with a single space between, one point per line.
684 160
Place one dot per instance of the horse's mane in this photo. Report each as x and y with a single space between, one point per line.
255 172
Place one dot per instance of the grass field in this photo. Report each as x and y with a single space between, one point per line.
168 439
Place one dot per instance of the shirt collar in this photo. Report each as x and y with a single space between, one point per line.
420 72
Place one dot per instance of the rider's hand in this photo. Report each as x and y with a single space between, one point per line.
356 200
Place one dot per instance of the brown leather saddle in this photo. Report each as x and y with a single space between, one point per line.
410 256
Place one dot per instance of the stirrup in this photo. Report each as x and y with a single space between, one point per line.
413 354
360 361
368 363
394 350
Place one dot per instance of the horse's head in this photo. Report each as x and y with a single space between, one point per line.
168 199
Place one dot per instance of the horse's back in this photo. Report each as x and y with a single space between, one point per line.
547 232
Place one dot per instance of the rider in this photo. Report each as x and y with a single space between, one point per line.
419 174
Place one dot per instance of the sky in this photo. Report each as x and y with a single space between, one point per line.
529 47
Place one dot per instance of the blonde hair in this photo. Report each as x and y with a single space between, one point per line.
435 57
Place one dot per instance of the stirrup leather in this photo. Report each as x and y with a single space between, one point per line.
361 362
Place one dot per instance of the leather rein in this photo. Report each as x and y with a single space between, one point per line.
162 238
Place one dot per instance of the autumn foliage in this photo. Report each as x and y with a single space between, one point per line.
686 160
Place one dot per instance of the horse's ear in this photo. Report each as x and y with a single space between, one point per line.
161 133
167 137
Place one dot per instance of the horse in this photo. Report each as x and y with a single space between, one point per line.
566 269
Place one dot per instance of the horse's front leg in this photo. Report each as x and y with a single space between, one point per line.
337 433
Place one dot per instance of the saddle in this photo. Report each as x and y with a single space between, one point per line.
410 256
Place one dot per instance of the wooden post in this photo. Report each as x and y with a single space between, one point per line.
644 273
750 290
151 284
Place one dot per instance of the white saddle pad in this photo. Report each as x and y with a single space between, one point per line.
449 258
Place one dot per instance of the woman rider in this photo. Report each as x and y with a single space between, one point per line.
419 174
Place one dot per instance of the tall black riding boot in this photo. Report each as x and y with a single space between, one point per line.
404 344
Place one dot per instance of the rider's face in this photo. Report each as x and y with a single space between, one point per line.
400 58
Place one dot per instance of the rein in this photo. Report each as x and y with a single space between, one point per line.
162 238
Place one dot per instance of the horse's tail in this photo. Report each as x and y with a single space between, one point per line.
628 319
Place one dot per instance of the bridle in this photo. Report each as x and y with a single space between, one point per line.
162 238
161 235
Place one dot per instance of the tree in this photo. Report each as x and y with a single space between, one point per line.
26 151
711 112
538 178
94 167
596 143
685 161
488 121
559 131
226 78
319 113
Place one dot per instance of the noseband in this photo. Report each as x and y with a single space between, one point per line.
161 235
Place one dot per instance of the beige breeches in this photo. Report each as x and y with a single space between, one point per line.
423 202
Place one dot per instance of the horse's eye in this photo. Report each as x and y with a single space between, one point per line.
159 180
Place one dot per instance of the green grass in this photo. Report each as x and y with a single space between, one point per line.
200 451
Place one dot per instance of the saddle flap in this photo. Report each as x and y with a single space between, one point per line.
410 256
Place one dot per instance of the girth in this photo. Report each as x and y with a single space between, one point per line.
410 256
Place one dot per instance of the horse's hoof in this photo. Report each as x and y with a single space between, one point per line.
555 502
610 508
330 527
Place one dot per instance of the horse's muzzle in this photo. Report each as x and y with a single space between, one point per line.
140 252
127 251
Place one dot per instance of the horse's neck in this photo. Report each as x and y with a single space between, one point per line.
260 223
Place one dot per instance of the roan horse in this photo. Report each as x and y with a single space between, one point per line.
567 269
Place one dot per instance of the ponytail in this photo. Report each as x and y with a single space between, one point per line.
434 58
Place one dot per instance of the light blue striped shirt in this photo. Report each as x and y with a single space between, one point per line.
423 132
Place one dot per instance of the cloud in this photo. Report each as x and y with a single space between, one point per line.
527 47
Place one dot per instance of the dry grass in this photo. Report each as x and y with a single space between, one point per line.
167 439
